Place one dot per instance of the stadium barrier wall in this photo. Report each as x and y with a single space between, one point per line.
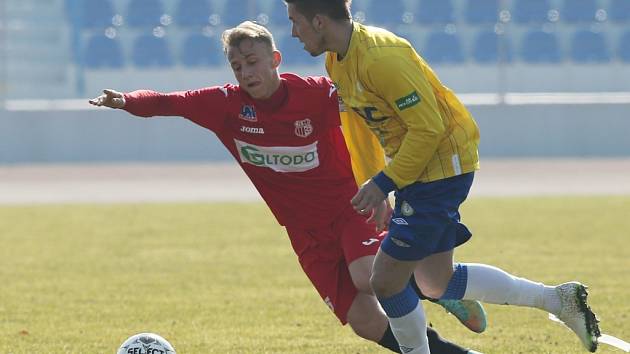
511 126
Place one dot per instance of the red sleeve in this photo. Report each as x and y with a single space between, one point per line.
329 99
331 102
205 107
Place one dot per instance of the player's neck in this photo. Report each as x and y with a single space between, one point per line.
277 96
275 84
339 38
272 86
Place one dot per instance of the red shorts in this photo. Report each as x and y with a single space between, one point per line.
325 253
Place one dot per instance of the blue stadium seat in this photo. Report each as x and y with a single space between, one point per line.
589 47
103 52
416 41
575 11
623 52
531 11
237 11
540 47
193 13
149 50
278 15
199 50
96 14
491 48
359 10
434 12
482 11
293 52
443 48
619 11
385 13
144 13
360 5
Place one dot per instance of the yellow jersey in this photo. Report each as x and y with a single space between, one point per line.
368 158
422 126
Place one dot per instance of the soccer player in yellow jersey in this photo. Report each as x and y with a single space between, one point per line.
335 246
431 139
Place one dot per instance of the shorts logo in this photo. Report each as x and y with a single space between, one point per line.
248 113
400 243
410 100
370 241
405 350
400 221
303 128
329 304
406 209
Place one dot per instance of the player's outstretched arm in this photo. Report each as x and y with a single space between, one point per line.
205 106
110 98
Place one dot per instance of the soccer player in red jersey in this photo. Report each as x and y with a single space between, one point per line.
284 131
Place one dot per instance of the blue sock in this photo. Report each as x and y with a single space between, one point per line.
457 285
400 304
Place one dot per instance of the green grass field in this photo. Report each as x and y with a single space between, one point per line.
222 278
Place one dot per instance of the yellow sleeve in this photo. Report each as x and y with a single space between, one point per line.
408 92
366 154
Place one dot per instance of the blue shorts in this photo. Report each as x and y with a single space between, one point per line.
426 219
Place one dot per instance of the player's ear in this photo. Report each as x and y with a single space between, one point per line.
277 58
318 22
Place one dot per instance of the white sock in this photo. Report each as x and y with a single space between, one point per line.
410 331
495 286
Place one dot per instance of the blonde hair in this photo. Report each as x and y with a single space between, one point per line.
247 30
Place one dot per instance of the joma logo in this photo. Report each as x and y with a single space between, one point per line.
252 130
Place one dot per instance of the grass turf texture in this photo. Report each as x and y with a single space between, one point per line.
222 278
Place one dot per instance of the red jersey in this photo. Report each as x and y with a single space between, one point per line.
290 145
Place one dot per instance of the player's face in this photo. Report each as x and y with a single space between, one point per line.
255 67
306 31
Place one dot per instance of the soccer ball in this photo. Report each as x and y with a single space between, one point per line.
146 343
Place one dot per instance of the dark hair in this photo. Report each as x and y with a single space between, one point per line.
335 9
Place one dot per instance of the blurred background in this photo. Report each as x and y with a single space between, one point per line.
544 78
548 82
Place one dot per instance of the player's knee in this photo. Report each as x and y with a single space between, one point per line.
360 272
366 328
433 288
362 283
433 285
380 285
366 318
366 331
433 291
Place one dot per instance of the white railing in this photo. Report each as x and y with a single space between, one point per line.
469 99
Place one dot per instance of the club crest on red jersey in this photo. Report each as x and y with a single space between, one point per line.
303 128
248 113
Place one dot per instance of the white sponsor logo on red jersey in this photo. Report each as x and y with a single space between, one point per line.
279 158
